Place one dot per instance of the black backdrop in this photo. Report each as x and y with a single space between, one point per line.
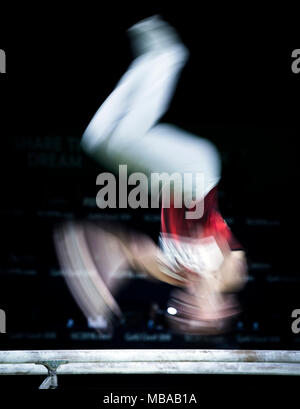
237 89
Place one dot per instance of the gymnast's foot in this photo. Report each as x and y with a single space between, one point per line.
152 34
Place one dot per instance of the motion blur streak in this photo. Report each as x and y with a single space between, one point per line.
195 255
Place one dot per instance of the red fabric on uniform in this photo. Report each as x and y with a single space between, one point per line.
173 222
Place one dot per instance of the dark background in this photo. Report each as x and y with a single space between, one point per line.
237 90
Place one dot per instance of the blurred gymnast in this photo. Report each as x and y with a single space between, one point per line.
198 256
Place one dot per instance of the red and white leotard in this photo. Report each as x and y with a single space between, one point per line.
196 243
173 222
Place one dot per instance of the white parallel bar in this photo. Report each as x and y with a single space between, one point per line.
230 368
22 369
150 355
